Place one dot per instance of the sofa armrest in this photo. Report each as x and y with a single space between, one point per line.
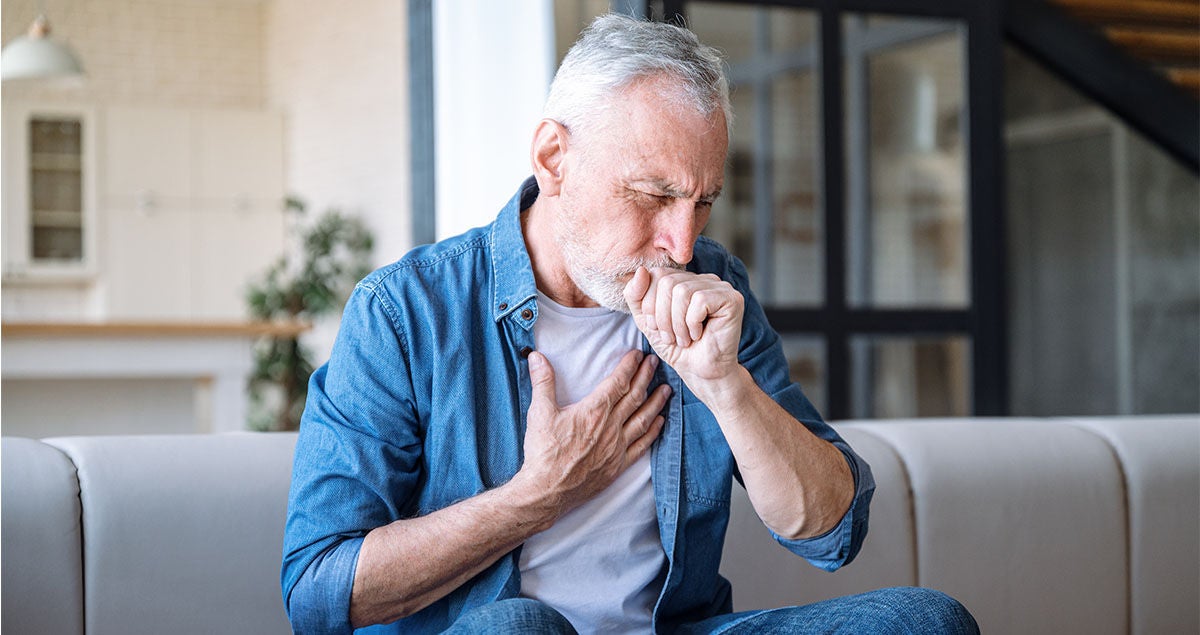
43 564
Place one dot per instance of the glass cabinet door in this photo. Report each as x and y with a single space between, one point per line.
56 189
48 201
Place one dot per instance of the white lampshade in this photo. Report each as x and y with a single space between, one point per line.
36 55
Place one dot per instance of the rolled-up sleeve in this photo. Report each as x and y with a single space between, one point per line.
356 465
838 546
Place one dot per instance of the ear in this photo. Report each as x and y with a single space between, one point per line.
546 156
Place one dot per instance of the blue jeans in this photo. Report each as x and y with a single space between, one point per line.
899 610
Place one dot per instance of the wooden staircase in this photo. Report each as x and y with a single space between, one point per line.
1163 33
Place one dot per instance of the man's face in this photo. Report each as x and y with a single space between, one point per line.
638 189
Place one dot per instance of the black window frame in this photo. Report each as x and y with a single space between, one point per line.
984 320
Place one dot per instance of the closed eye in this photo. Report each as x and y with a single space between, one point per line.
655 200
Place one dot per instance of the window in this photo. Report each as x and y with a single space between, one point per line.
857 203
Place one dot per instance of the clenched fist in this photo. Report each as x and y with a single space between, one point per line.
693 322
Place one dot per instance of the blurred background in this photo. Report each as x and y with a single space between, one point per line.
947 209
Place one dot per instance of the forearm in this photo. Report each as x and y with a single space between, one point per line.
800 484
407 565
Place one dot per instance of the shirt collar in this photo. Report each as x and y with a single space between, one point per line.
513 282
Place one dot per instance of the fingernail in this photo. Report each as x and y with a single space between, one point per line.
653 361
535 360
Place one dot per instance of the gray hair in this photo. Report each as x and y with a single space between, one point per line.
615 51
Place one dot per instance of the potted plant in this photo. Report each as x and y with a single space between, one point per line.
334 254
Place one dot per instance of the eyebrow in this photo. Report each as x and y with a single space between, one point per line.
670 190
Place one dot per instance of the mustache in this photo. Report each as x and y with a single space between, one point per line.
666 262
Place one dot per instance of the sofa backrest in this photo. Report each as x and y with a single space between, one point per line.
1160 459
1036 526
180 534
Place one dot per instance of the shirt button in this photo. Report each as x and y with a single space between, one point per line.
526 314
503 305
524 352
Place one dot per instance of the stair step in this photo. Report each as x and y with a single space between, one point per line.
1186 78
1159 46
1163 13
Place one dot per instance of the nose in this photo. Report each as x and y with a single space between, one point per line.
677 230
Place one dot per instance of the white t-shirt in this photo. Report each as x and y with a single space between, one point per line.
602 564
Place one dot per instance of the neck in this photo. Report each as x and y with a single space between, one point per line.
549 267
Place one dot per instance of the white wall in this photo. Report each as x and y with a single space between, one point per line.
493 62
339 72
196 53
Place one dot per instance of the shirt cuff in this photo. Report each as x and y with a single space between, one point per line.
320 600
838 546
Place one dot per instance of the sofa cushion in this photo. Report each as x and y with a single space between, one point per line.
1161 460
1023 521
183 533
43 566
764 575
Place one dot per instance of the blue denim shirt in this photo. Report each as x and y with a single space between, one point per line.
423 404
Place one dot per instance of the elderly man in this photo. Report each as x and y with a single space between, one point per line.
535 426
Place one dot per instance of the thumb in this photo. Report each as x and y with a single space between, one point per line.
541 375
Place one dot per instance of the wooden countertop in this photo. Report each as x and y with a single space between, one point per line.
152 329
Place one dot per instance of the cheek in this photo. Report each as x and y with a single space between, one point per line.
637 233
702 220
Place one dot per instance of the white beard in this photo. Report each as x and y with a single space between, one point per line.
604 283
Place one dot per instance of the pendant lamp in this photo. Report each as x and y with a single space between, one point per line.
36 55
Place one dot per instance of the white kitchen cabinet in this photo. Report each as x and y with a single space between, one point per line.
193 210
148 159
139 213
148 268
229 248
49 194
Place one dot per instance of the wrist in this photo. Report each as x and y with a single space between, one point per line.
531 500
724 394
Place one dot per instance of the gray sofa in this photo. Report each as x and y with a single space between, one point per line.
1036 525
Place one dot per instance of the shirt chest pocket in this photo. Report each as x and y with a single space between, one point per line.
707 460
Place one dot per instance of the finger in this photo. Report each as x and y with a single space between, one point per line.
541 375
649 307
641 381
637 389
642 444
637 423
613 388
662 307
636 289
701 306
681 301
